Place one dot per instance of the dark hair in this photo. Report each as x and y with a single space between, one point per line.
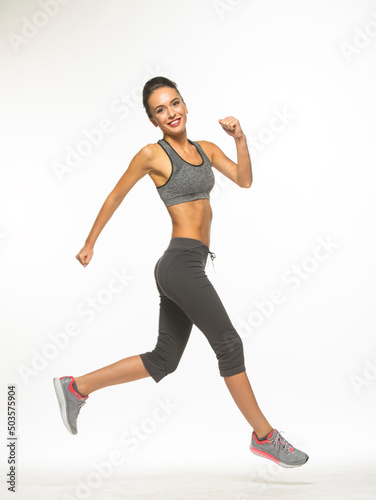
153 84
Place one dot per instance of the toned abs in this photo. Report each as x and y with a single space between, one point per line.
193 218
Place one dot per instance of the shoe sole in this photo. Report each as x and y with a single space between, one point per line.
270 457
62 403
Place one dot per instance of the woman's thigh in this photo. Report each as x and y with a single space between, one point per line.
185 282
182 280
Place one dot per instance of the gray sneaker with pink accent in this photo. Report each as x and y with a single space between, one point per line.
276 448
70 402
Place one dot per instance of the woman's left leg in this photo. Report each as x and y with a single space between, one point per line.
242 393
187 284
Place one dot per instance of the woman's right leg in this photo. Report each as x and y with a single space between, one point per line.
174 330
125 370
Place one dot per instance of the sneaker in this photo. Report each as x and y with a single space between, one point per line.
70 402
276 448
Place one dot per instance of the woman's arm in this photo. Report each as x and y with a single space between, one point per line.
138 168
245 176
240 173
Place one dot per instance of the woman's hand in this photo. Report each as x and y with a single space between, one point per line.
232 126
85 254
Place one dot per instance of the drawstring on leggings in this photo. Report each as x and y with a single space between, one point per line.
212 256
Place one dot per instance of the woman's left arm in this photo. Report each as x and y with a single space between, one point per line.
240 173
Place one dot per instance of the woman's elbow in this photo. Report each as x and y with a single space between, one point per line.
247 185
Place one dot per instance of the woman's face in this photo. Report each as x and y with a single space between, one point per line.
166 106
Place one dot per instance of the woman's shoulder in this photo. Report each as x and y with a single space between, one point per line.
207 146
149 150
150 156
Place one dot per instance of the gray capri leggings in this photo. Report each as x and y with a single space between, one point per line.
188 298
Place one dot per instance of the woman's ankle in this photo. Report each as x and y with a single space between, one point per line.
263 433
79 386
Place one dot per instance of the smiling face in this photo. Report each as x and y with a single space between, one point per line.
167 107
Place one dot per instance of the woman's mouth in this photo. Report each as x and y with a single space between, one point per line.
174 123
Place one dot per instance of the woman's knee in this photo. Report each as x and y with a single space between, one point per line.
157 366
230 354
170 365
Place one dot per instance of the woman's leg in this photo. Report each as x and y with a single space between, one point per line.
188 286
196 302
242 393
125 370
174 330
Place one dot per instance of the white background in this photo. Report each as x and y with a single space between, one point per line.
312 358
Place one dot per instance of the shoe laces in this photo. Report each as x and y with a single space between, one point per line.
280 441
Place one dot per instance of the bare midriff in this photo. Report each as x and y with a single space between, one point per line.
192 219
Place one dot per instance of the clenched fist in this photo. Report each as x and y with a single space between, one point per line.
232 126
85 254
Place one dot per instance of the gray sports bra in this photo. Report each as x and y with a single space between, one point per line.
187 182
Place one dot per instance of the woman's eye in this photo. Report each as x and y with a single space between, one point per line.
161 109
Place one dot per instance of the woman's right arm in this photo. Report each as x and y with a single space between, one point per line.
138 168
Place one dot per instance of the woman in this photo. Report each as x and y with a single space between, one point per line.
182 173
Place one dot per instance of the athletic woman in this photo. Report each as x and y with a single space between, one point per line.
181 170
